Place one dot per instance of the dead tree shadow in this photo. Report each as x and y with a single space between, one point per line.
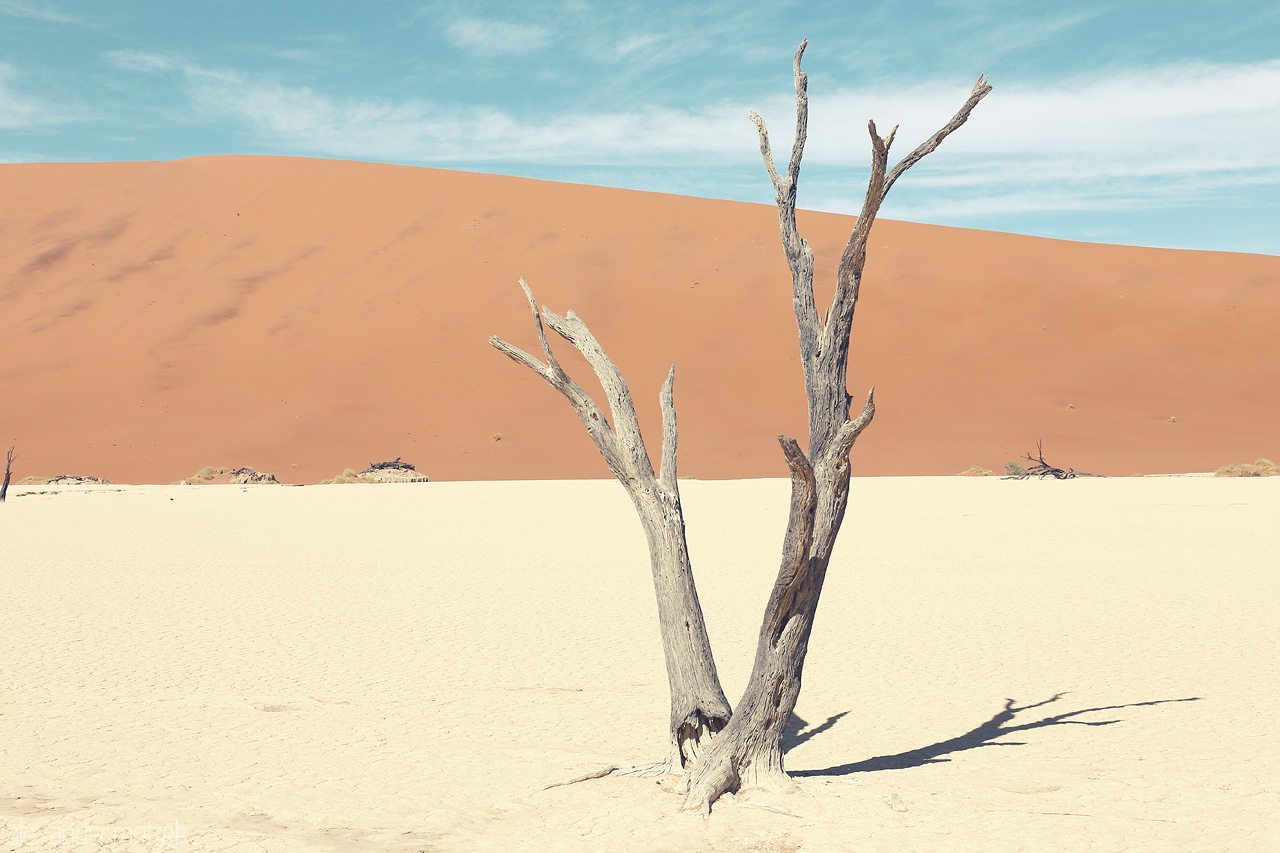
984 735
798 730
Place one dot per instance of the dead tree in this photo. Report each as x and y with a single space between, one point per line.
1042 469
699 708
394 465
747 751
8 474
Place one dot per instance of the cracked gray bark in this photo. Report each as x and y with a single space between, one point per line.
748 753
699 709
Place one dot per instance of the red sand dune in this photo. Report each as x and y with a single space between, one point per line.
303 316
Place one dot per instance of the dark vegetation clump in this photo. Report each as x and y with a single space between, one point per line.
395 464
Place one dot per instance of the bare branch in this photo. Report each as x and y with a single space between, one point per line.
855 252
849 432
625 423
980 90
767 153
537 322
670 436
551 371
799 255
518 355
785 187
699 709
802 118
799 539
585 407
844 302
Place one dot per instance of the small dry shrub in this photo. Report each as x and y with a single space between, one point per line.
348 475
976 471
205 475
1013 469
1259 468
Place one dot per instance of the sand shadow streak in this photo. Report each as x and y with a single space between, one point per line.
798 730
983 735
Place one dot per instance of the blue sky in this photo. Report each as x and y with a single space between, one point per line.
1149 123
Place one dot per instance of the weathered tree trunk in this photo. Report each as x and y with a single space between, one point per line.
699 709
8 473
749 750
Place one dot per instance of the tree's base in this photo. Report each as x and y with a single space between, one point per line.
702 783
720 772
710 764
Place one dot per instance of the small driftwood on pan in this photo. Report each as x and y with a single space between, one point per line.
396 465
1043 469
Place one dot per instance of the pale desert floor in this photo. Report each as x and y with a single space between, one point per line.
1027 666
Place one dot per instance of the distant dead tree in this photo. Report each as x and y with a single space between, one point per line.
717 749
1042 469
8 473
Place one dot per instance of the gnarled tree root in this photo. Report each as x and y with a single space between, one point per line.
665 767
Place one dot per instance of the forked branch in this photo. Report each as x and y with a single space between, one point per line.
799 255
824 336
698 706
850 430
854 258
621 445
980 90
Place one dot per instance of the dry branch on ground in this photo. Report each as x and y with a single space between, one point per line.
1042 469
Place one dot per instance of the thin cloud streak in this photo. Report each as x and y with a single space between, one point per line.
37 12
17 111
490 37
1115 139
139 60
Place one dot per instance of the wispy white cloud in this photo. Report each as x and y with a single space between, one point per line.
428 133
494 37
1125 138
19 111
1002 33
298 119
140 60
643 43
295 54
38 12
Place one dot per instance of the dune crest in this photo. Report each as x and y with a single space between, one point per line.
303 313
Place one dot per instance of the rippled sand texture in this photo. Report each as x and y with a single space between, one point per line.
302 316
996 666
